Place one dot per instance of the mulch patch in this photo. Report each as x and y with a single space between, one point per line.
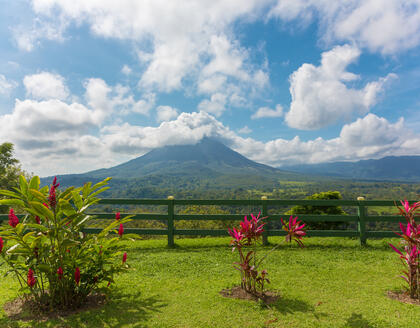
267 298
25 308
403 297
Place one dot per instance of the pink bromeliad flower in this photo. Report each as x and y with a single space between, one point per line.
294 230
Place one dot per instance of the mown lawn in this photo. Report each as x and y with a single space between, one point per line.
333 282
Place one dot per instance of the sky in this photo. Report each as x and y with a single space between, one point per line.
91 84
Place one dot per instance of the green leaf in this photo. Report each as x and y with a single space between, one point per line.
77 199
44 268
12 202
34 183
36 226
28 235
41 210
101 184
9 193
98 192
23 184
44 189
38 195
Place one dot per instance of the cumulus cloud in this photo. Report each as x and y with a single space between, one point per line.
321 95
126 70
215 105
244 130
6 86
166 113
201 49
45 85
268 112
388 26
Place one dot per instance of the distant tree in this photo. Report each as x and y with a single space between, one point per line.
321 210
9 169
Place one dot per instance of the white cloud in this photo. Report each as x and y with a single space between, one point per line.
144 105
320 95
244 130
6 86
45 85
126 70
166 113
171 52
215 106
388 27
268 112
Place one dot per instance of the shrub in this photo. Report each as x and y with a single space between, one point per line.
410 256
249 235
47 250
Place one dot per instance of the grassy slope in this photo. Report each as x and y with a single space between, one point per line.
331 283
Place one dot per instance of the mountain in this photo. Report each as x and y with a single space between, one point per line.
208 157
209 164
391 168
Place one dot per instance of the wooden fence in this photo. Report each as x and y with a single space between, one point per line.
170 216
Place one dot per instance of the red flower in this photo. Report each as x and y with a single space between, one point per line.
1 244
60 273
77 276
121 230
117 216
52 197
46 205
31 278
13 220
37 219
124 257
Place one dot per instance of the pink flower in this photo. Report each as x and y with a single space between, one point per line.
46 205
1 244
31 278
13 219
77 275
60 273
117 216
121 230
124 258
294 230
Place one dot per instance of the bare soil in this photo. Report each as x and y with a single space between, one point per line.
26 309
403 297
237 292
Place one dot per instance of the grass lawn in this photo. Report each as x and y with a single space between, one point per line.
333 282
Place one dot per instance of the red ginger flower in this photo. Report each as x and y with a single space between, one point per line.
13 219
52 200
124 257
46 205
121 230
1 244
117 216
60 273
37 219
77 275
31 278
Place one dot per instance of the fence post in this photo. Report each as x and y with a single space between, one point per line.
361 224
264 214
171 221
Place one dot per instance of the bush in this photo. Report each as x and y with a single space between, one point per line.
320 210
47 250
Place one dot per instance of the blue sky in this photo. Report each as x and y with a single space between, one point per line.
85 85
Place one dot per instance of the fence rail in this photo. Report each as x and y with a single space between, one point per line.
170 216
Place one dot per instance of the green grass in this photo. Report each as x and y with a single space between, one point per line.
333 282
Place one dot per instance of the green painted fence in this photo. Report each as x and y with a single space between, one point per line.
170 216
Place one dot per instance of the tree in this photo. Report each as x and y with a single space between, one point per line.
9 169
321 210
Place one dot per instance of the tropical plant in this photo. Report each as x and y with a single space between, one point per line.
410 256
47 249
248 235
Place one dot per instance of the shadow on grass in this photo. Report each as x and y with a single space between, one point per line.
357 321
120 311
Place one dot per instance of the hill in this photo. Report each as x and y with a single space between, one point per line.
391 168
